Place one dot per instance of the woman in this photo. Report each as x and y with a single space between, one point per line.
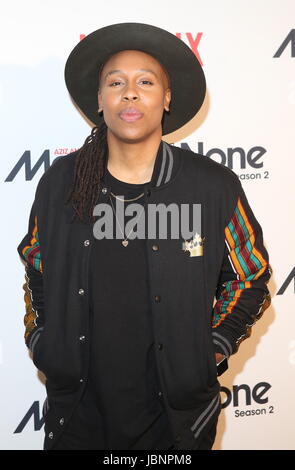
120 321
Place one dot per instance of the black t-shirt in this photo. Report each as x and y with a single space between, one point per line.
123 370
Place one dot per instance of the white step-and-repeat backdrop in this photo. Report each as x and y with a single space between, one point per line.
247 50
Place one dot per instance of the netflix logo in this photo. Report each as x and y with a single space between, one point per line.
191 40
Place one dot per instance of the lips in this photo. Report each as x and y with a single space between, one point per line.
130 114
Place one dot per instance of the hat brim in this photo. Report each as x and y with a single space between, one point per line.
187 79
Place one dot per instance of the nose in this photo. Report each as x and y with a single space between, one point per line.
130 94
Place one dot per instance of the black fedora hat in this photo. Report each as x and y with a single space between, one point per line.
187 79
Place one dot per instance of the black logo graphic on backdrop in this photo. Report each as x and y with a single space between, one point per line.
235 158
290 278
33 412
245 396
26 161
290 39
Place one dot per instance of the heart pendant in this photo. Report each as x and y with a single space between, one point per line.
125 242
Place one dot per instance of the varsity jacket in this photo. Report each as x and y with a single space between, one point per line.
206 293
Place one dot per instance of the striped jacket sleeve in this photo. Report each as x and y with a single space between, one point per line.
29 251
242 294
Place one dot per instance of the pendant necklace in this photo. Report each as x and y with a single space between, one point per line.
125 242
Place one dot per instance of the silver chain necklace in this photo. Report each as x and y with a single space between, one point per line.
125 242
127 200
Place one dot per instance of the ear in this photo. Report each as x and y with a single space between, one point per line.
99 101
167 98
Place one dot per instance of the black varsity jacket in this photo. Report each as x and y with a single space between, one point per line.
205 293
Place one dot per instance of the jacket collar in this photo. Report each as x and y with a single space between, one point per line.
166 165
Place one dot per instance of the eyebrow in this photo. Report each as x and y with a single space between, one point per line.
139 70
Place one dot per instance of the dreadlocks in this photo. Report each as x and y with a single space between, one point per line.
90 165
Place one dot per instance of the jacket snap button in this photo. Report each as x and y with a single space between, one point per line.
157 298
61 421
160 346
160 394
86 242
81 380
50 435
155 247
82 338
81 291
104 190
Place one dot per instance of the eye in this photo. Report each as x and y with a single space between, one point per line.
115 83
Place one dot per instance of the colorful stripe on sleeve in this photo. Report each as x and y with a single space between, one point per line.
246 261
31 252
